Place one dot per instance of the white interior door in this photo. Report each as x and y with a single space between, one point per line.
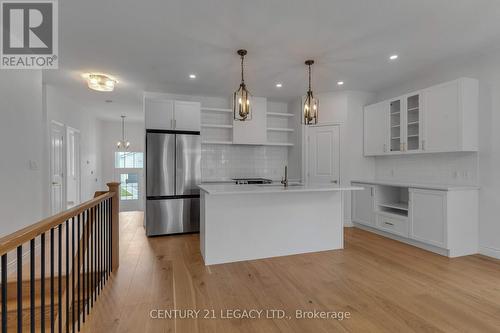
324 155
57 196
73 167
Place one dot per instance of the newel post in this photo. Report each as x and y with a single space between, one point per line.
115 213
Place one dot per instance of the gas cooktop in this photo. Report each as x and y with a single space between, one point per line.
241 181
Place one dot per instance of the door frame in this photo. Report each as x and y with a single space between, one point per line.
77 164
305 150
51 166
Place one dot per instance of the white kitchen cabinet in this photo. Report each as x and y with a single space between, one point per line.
450 116
253 131
375 129
442 219
442 118
187 116
362 205
428 216
159 114
167 114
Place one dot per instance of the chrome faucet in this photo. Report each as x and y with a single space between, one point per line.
284 181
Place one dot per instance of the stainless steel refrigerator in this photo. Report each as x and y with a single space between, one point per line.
173 172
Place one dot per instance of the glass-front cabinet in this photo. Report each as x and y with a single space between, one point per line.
413 113
396 121
405 123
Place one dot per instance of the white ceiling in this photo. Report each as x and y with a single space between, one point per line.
155 44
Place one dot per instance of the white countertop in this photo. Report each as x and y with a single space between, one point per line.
221 189
442 187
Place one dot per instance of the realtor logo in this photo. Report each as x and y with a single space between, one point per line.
29 34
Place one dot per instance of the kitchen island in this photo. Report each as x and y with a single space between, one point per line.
244 222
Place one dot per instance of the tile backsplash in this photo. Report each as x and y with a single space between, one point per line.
224 162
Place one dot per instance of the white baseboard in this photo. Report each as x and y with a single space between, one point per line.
489 252
348 223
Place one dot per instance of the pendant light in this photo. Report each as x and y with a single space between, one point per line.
241 98
311 104
123 144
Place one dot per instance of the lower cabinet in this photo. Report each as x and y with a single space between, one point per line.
362 205
440 220
428 216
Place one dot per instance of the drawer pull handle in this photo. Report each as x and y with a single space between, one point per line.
389 223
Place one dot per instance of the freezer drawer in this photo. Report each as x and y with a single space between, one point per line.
187 164
160 164
172 216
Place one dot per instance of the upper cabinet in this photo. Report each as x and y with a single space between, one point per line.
254 131
376 125
167 114
442 118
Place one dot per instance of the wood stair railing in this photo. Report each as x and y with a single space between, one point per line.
71 256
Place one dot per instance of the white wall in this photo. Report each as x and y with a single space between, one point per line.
482 166
21 124
61 108
109 132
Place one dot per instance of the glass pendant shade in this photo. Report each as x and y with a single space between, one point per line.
123 144
311 104
242 104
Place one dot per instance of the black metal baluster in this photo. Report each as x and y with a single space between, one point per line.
67 276
84 269
98 220
73 220
42 283
59 280
51 280
111 232
94 234
100 245
4 293
106 263
87 291
20 289
91 255
78 271
32 286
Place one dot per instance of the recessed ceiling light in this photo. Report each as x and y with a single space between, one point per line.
279 85
192 76
109 101
340 83
393 57
100 81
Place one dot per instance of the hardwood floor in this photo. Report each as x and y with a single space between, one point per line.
386 286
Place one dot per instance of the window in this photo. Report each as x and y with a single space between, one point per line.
129 186
129 160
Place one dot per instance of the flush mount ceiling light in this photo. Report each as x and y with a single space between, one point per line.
241 97
100 82
311 104
123 144
393 57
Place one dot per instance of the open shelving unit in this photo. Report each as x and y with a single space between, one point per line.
393 200
216 125
280 128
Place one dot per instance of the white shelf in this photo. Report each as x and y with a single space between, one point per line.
413 136
279 144
396 138
395 205
216 110
216 142
216 126
413 109
394 126
277 129
395 113
278 114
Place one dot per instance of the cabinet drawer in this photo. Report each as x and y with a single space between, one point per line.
398 226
